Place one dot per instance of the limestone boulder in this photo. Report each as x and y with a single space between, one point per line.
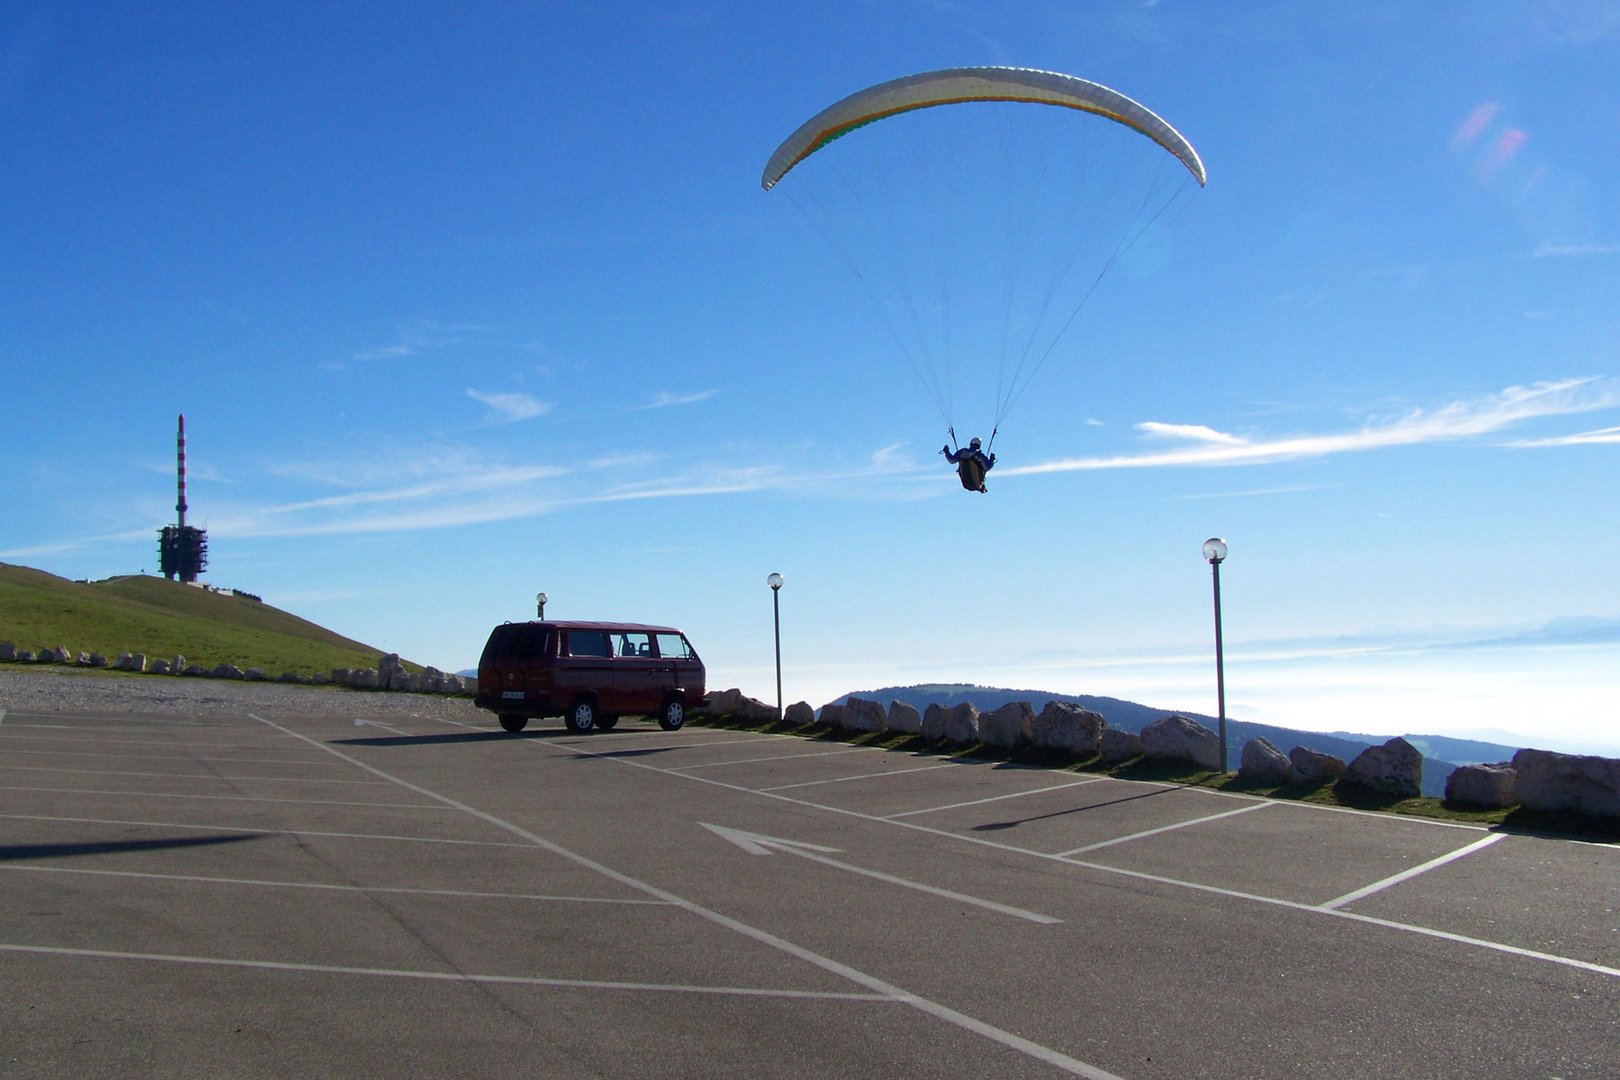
1010 726
1394 768
1573 783
391 674
866 715
950 723
98 660
8 651
1176 738
800 712
1117 746
962 724
737 705
903 718
364 679
837 715
1264 765
225 671
1065 726
1312 768
1489 786
160 666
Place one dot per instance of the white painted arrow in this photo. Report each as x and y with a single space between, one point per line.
374 723
755 844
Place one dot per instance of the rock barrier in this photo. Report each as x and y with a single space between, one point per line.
389 674
1536 779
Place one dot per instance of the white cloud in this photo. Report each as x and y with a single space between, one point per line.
665 400
1449 423
1190 432
1586 438
1566 251
512 406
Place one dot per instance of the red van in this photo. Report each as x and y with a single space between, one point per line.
589 673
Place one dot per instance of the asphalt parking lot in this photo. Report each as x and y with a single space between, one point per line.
251 894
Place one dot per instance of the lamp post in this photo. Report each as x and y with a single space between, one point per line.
775 582
540 604
1215 554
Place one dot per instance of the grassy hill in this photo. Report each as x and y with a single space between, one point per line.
164 618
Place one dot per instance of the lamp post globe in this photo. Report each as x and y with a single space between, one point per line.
774 581
540 604
1214 550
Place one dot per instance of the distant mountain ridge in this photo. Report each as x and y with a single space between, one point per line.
1440 754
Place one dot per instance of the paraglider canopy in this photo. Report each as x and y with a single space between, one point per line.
957 85
978 231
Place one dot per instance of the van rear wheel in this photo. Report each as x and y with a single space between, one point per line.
605 723
673 715
514 724
581 718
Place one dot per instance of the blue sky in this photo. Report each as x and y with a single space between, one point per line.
464 302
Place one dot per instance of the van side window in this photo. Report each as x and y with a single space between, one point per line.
634 643
588 643
674 646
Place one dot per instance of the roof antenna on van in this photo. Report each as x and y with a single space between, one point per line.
540 604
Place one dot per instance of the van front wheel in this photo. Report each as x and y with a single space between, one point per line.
581 719
673 715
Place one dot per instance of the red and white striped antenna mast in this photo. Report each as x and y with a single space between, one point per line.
181 446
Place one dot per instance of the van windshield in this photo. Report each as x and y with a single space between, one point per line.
674 646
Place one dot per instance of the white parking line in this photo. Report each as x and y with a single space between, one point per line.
992 798
110 773
448 976
262 832
125 793
1162 829
187 758
757 760
847 779
1407 875
462 894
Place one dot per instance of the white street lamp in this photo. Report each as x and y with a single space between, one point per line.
1215 554
540 604
775 582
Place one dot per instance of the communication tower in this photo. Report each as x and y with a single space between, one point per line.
182 549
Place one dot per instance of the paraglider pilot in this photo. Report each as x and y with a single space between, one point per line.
971 464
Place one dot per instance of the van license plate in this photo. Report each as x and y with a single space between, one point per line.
512 695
